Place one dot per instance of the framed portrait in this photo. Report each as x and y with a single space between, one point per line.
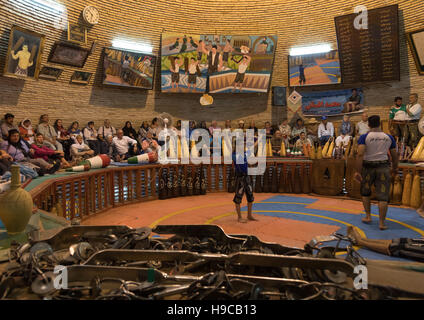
50 73
23 58
68 54
77 33
81 77
216 63
416 43
128 68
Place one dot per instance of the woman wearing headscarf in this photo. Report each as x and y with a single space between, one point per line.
63 137
26 131
129 131
144 128
74 131
44 152
298 128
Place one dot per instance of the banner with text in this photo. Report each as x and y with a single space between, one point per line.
325 102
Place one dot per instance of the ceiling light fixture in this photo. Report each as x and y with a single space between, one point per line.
320 48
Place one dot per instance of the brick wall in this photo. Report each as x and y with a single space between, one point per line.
296 22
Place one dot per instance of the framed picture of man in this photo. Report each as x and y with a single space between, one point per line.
24 53
416 43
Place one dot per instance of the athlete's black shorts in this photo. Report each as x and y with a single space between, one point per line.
243 184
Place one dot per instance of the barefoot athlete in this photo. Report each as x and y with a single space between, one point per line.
373 167
243 184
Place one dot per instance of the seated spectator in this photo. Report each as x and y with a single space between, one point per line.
111 149
154 128
285 130
213 127
6 161
276 141
342 141
80 151
240 126
302 141
125 146
253 126
107 129
203 125
129 130
346 128
49 133
362 126
177 128
26 131
346 131
144 128
269 130
312 130
147 147
103 144
63 137
298 128
353 103
22 153
44 152
227 124
74 131
192 127
325 130
7 125
90 137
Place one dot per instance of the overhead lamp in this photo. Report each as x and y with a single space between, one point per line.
130 45
320 48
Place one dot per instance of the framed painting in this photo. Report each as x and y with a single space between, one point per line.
81 77
314 69
225 63
130 69
50 73
416 43
23 58
77 33
68 54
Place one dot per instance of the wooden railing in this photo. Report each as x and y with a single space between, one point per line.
84 194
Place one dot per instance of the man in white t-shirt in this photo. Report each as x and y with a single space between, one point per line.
325 130
241 72
373 168
413 109
126 147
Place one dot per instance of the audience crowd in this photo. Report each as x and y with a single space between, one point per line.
46 148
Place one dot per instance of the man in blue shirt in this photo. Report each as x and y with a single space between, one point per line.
243 184
373 167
